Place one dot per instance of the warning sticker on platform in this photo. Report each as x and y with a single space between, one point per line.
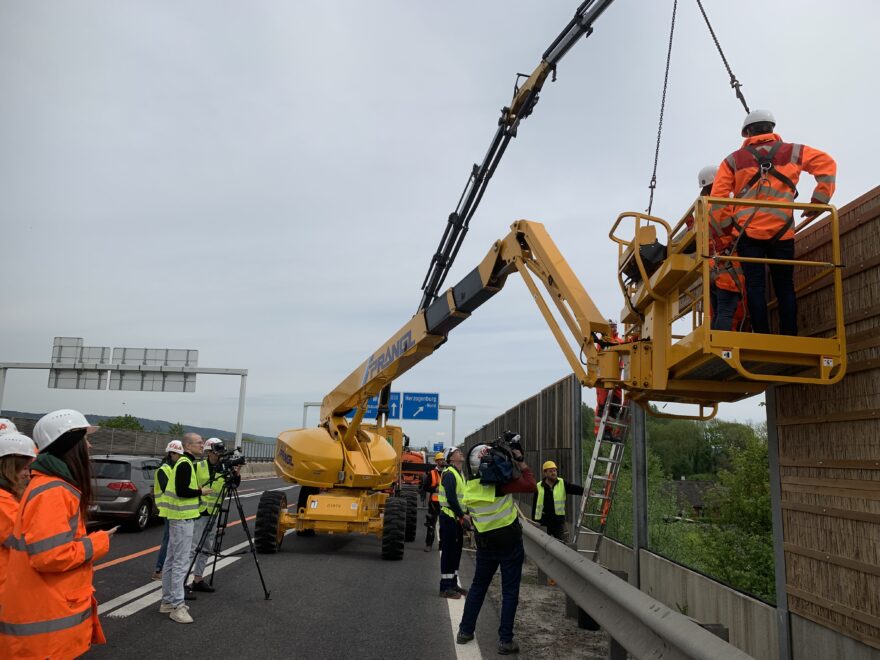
314 504
727 355
827 362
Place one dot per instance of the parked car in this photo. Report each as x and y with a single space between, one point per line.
124 490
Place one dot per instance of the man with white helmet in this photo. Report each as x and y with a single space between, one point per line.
209 476
173 451
17 452
765 167
453 518
498 536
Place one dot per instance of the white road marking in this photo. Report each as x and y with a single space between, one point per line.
156 595
241 497
471 650
144 594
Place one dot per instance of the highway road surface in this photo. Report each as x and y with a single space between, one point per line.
331 597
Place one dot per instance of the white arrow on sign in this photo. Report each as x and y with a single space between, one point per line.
418 410
393 408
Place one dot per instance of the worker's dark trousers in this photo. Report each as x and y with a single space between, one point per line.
488 561
724 304
431 521
756 283
451 541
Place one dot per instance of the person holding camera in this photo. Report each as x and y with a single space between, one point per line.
182 495
209 474
548 506
498 534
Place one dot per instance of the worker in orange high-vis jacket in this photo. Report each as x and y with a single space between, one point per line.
17 451
765 167
727 287
47 609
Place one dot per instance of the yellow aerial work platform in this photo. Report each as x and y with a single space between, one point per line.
697 364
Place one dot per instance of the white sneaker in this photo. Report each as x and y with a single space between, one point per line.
166 608
180 614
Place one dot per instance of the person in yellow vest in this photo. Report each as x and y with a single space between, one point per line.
499 544
182 495
431 488
208 475
548 507
453 517
173 451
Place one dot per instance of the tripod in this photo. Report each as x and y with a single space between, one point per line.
220 515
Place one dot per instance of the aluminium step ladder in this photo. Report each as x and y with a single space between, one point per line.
601 481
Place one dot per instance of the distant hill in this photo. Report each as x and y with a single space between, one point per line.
156 425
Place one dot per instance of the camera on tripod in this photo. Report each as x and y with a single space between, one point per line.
229 459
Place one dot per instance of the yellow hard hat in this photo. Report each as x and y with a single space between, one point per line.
438 456
549 465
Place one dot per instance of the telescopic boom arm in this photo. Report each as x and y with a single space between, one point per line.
525 97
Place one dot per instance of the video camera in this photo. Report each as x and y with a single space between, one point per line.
229 459
500 464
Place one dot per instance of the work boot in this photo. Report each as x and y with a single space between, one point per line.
165 608
450 593
508 648
463 638
461 590
201 585
180 614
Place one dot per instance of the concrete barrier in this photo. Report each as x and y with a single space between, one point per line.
258 470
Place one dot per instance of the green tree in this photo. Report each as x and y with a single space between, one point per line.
176 429
739 543
126 422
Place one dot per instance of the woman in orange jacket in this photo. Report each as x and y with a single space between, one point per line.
47 609
16 454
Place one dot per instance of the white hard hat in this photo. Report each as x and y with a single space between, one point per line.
706 177
757 116
175 447
210 442
6 426
52 426
17 444
475 455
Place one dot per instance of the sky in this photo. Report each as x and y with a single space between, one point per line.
266 182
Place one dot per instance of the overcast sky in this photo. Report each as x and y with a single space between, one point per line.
266 181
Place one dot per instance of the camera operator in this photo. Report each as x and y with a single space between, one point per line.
209 474
498 539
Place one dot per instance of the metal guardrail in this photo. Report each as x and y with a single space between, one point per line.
645 627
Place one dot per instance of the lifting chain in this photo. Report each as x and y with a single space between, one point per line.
653 183
734 83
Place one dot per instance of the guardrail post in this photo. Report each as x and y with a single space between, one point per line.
615 650
639 490
572 611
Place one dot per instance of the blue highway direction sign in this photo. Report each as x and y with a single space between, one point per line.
373 407
438 446
420 405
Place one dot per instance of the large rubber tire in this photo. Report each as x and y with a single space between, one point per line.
268 533
412 514
394 528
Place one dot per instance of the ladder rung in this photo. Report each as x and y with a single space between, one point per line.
607 460
599 497
588 552
587 530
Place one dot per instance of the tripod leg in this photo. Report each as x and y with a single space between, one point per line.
201 544
222 519
250 539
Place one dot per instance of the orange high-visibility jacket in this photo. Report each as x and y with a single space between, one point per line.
737 176
8 513
47 609
435 484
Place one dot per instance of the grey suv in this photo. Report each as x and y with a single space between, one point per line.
124 489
